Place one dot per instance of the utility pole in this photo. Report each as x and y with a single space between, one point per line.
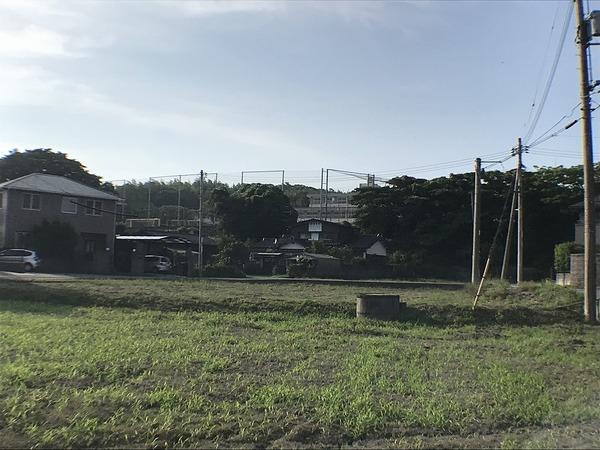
200 238
321 197
475 269
326 193
509 235
149 194
179 201
520 215
589 212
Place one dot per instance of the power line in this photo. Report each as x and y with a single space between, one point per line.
566 116
541 140
539 77
550 79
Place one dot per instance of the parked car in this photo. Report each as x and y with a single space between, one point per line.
157 264
19 259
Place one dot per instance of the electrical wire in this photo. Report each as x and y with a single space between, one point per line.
539 77
566 116
550 79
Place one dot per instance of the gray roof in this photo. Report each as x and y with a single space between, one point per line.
365 242
53 184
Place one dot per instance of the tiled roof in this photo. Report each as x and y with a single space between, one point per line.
54 184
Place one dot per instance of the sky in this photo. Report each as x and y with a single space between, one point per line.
137 89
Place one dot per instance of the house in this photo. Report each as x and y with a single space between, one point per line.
284 245
27 201
270 252
370 246
323 231
131 250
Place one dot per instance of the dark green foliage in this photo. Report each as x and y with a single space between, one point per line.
164 197
223 271
53 240
562 253
298 194
343 252
232 252
300 268
318 247
254 211
430 221
43 160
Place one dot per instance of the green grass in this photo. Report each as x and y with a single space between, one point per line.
197 364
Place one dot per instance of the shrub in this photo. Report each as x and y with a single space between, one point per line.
232 252
279 268
562 253
298 270
223 271
344 253
318 247
253 268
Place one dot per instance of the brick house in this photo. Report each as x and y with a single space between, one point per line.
27 201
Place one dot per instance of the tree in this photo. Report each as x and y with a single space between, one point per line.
43 160
232 252
53 239
430 221
254 211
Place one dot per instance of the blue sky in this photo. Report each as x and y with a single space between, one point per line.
137 88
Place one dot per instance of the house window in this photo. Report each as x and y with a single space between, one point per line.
314 237
31 201
69 205
315 227
1 200
93 207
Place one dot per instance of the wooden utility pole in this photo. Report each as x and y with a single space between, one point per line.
520 213
589 212
509 236
321 197
326 194
179 202
488 263
149 195
475 269
200 238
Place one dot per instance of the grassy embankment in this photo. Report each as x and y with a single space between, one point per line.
151 363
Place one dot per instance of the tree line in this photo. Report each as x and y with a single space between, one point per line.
427 222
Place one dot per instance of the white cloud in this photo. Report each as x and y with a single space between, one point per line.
188 124
33 41
219 7
30 85
36 8
364 12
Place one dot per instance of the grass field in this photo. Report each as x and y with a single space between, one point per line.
199 364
